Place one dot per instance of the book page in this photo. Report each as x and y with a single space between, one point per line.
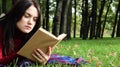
60 37
46 32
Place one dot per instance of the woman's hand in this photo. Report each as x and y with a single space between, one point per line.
40 56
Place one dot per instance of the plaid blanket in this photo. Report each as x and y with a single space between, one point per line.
55 58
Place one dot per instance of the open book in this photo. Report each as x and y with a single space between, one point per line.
41 39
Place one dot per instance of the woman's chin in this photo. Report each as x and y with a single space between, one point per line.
26 31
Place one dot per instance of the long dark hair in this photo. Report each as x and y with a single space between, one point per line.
8 22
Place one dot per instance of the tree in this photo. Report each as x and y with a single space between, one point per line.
75 4
85 23
69 20
47 15
105 18
63 24
93 19
81 30
57 18
115 21
118 25
98 29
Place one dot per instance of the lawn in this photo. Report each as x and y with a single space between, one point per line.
99 53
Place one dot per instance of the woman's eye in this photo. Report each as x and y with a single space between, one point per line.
26 15
35 19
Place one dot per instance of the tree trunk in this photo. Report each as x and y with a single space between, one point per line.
93 21
98 30
69 18
105 19
81 25
118 27
63 26
85 24
57 18
47 15
115 23
43 24
74 30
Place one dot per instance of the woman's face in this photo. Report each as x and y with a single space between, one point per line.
28 20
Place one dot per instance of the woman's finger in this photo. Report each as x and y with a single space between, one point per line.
38 55
42 54
38 59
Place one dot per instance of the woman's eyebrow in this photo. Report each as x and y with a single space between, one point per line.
30 14
27 13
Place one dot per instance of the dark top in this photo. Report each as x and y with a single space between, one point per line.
18 37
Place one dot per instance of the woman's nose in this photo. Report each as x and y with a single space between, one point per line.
30 21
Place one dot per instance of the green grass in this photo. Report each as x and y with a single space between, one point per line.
100 53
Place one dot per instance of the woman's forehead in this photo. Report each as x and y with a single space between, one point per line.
32 10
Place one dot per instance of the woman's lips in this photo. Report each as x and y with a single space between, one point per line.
28 27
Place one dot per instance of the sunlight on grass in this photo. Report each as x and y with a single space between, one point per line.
100 53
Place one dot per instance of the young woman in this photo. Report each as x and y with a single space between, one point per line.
16 27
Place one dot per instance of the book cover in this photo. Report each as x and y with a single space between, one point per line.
41 39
